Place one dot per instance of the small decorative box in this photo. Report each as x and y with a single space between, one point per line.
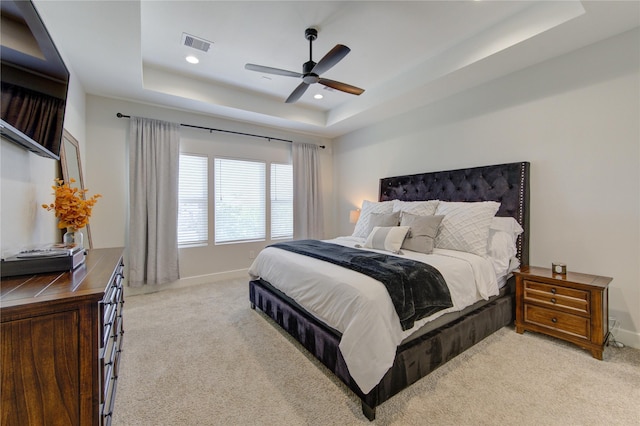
559 268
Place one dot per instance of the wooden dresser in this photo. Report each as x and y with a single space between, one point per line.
61 339
572 307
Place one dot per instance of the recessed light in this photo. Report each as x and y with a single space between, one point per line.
192 59
318 96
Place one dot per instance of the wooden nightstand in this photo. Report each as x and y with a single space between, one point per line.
573 307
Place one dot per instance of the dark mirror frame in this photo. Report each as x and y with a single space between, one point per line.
72 168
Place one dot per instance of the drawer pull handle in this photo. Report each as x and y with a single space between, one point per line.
553 291
554 320
553 300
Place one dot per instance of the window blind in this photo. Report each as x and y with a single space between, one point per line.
240 201
281 201
193 203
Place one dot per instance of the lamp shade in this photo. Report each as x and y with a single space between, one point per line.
354 215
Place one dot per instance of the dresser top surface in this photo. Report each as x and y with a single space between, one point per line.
88 280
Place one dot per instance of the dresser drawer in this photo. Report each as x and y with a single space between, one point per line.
110 372
574 325
109 318
568 299
110 306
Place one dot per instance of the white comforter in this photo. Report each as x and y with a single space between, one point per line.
360 307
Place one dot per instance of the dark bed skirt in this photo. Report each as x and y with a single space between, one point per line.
414 359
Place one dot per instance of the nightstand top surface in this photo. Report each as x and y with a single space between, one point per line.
570 277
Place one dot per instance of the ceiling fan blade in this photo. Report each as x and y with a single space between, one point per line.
269 70
334 56
299 91
344 87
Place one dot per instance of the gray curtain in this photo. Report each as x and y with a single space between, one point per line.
307 195
154 155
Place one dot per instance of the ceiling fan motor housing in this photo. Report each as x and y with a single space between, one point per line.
307 67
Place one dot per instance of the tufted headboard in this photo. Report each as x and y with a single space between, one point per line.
506 183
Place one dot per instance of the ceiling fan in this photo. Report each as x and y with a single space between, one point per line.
311 70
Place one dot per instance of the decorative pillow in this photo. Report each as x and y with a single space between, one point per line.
379 219
421 236
465 226
362 228
387 238
420 208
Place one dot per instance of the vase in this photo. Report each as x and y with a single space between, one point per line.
73 238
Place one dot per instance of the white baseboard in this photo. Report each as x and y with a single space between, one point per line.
188 282
629 338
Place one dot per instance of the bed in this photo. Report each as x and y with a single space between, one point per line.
421 349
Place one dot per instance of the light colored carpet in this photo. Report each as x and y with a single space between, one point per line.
201 356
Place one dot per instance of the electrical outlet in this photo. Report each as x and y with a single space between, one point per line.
252 254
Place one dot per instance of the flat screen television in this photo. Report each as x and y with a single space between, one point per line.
34 81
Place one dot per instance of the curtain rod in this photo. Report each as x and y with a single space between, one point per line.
269 138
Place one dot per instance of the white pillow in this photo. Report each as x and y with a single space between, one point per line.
502 249
465 226
418 208
387 238
506 224
363 228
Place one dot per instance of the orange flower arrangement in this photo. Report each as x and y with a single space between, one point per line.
72 208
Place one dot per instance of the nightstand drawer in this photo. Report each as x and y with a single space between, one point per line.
568 299
566 323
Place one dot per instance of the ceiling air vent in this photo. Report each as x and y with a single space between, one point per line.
195 42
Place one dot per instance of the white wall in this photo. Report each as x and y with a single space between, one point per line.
575 118
107 174
26 181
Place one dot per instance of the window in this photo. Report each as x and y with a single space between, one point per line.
281 201
240 200
193 203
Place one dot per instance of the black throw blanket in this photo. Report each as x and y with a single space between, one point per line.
417 290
